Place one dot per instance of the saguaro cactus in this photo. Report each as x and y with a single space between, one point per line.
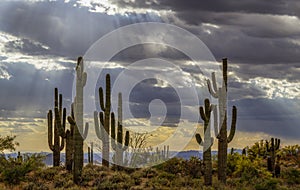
68 135
118 142
59 121
91 153
103 130
221 131
79 133
272 147
208 140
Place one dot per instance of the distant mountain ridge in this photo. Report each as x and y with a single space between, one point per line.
98 159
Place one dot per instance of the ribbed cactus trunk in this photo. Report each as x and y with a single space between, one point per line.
221 131
69 150
208 140
272 147
79 133
90 154
59 121
119 142
103 129
68 136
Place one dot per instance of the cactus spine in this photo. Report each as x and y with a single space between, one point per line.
272 147
102 130
118 142
59 121
208 140
79 133
221 133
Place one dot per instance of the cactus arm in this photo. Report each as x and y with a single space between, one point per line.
107 96
277 144
126 143
86 130
61 128
113 131
267 146
233 124
225 72
97 126
101 116
101 98
215 112
212 88
84 78
71 120
55 97
62 144
202 114
50 130
199 139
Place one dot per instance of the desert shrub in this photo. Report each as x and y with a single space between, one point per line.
13 171
173 165
291 176
48 174
194 167
232 161
35 186
267 184
117 180
248 170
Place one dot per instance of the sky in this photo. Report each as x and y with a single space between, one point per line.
40 41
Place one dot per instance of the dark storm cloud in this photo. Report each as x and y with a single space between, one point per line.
288 7
278 117
254 32
65 29
29 92
26 46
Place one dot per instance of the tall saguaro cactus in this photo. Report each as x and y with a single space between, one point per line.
208 140
272 146
79 133
118 142
221 132
103 130
59 121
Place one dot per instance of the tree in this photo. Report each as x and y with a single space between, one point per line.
7 143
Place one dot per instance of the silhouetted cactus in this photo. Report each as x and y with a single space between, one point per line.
79 133
208 140
19 157
272 146
68 135
221 132
59 122
160 155
118 142
244 152
91 154
102 130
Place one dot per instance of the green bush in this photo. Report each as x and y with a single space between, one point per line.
292 176
13 171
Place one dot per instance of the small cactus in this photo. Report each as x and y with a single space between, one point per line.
91 154
102 130
272 146
118 142
208 140
59 122
68 135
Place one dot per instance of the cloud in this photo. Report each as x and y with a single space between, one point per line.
67 30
